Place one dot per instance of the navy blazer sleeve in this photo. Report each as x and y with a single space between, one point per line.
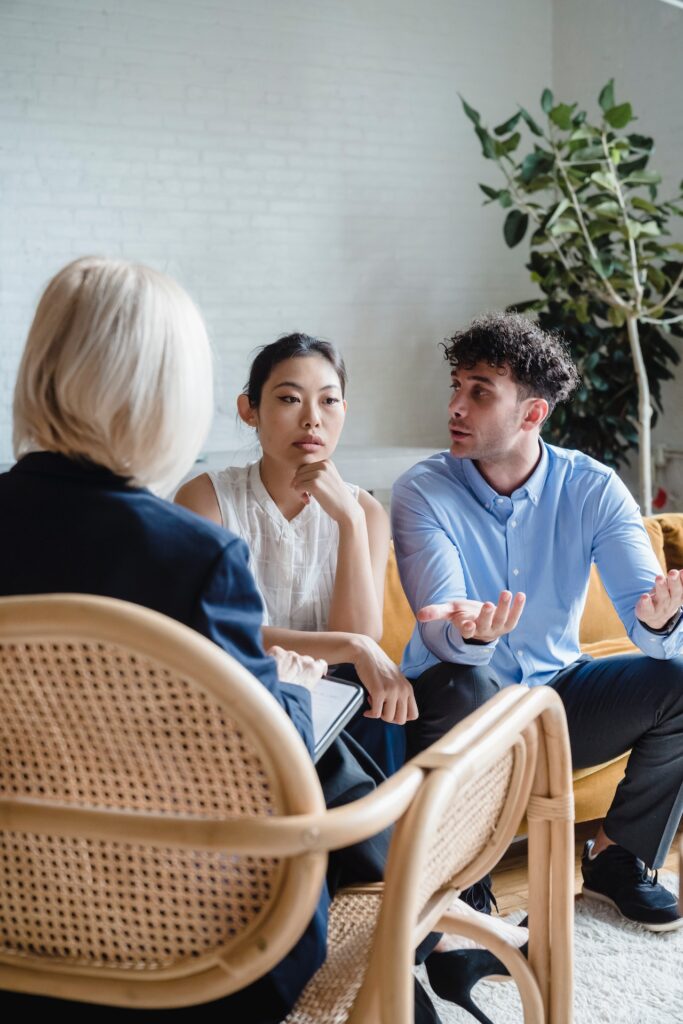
229 611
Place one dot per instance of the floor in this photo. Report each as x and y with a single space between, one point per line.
511 880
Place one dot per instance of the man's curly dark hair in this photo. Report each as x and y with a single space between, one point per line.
539 361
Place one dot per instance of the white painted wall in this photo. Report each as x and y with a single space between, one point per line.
639 43
297 164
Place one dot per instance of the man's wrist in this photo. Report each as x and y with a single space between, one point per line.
668 626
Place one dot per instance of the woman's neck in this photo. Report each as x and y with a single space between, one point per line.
277 478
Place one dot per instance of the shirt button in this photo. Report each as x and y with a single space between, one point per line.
515 572
520 653
498 501
513 524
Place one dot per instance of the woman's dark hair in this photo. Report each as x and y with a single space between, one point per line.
291 346
538 360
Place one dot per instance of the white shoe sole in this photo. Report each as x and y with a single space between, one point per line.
668 926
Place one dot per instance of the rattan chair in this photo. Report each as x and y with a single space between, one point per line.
164 837
510 755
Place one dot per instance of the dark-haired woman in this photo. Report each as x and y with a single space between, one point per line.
318 545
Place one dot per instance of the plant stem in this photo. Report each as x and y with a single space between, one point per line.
633 255
644 417
616 299
669 295
668 320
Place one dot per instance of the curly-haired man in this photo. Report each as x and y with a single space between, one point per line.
495 541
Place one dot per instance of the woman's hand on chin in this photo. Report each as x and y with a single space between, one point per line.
321 480
297 668
391 695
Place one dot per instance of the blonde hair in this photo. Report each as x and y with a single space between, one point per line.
117 369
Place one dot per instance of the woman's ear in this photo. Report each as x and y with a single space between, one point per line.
247 413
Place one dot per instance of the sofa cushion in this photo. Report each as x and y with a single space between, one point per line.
600 621
671 524
398 618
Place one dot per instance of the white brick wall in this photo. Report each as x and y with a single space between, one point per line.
296 164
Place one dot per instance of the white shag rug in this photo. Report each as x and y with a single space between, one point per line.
623 974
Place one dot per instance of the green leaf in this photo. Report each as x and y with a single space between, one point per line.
581 309
557 212
616 316
473 115
640 142
530 121
606 208
599 228
606 97
492 193
561 115
535 163
642 178
603 267
510 145
651 228
604 180
619 116
515 227
564 226
588 154
508 125
504 198
643 204
488 145
584 132
546 101
657 278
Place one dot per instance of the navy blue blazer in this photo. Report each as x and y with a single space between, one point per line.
69 526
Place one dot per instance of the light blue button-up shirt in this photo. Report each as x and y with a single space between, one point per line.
456 537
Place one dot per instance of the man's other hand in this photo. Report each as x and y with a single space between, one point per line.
476 620
663 602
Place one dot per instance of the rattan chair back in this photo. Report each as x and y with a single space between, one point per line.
131 750
480 780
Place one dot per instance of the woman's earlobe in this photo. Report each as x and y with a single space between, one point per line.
246 411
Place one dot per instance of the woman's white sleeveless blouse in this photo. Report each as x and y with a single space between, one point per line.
293 562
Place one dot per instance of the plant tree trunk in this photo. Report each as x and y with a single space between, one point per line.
644 418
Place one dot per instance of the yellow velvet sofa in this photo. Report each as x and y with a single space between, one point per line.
601 635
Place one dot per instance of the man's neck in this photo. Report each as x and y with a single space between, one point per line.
512 470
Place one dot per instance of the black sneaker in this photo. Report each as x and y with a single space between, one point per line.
615 876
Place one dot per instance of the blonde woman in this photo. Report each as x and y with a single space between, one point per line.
113 401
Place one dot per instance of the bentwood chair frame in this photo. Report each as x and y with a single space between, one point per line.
164 836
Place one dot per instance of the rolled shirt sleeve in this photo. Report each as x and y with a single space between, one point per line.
628 567
431 572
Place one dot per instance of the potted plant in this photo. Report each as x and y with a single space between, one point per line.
603 256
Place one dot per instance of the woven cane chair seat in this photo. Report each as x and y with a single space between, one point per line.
331 993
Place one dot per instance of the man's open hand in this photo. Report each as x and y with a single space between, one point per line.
476 620
663 602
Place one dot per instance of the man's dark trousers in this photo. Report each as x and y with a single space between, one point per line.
628 702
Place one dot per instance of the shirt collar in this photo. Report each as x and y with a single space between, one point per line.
486 495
